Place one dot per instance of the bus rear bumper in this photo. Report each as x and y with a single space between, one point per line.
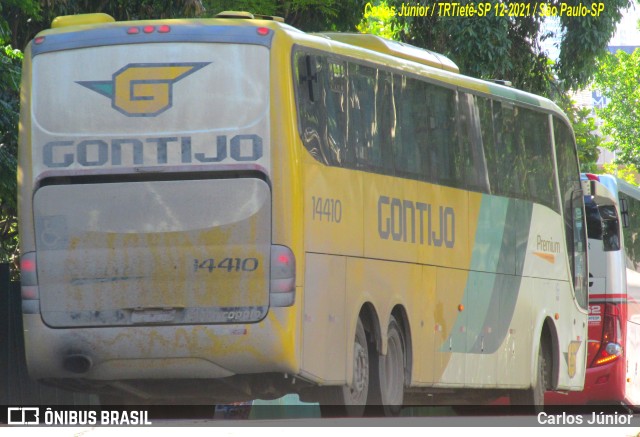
108 354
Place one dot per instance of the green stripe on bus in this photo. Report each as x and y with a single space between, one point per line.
494 281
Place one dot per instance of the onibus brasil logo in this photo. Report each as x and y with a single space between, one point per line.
143 90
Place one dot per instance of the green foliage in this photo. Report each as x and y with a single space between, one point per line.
25 18
489 47
584 127
496 47
10 60
14 15
379 19
627 173
618 76
585 38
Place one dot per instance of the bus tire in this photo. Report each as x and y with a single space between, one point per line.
350 400
533 397
391 372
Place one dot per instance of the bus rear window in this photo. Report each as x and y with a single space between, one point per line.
603 224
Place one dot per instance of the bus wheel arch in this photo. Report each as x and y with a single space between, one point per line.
546 370
549 337
371 322
391 372
372 326
400 314
548 347
369 319
349 399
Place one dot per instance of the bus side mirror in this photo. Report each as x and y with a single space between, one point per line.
610 228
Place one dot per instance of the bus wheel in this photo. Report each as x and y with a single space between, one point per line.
534 396
350 400
391 371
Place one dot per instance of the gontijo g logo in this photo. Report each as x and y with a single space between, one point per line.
143 90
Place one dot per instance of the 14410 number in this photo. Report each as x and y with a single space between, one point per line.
329 210
226 264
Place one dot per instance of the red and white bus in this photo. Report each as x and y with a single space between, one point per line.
613 223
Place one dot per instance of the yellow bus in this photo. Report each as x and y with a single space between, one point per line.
227 209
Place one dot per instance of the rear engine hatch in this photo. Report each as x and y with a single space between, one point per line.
170 252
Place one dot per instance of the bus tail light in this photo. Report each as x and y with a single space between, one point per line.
282 289
135 30
610 347
29 284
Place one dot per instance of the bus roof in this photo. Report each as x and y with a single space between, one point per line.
363 46
394 48
616 185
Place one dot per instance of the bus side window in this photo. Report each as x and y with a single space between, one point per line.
537 172
506 182
410 126
624 212
610 228
320 100
473 165
308 76
485 115
442 139
311 113
333 94
572 204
